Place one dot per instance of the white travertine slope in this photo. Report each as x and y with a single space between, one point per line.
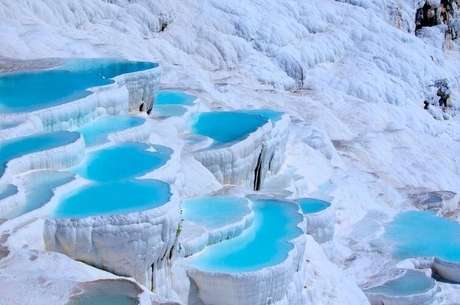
236 163
139 245
17 126
40 273
321 225
365 77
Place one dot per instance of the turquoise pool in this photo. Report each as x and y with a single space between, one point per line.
412 282
18 147
265 243
174 97
423 234
311 205
33 90
96 132
169 110
113 198
122 161
7 191
227 126
215 212
272 115
40 186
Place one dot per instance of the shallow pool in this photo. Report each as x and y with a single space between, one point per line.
169 110
33 90
311 205
106 292
433 199
112 198
272 115
7 191
122 161
174 97
423 234
265 243
40 186
18 147
106 67
227 126
97 131
412 282
215 212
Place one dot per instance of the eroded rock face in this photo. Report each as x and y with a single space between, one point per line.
135 244
428 15
443 12
142 88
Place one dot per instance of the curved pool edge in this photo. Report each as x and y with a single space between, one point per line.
424 297
181 122
47 208
231 230
59 157
251 287
447 270
126 94
321 224
135 244
268 142
138 133
20 126
198 237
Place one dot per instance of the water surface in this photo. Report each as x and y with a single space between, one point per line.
265 243
39 191
227 126
311 205
423 234
174 97
412 282
7 191
272 115
106 292
113 198
96 132
215 212
17 147
33 90
123 161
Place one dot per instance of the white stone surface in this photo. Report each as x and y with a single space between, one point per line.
449 271
424 297
142 87
44 275
19 125
365 78
236 163
321 224
138 244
